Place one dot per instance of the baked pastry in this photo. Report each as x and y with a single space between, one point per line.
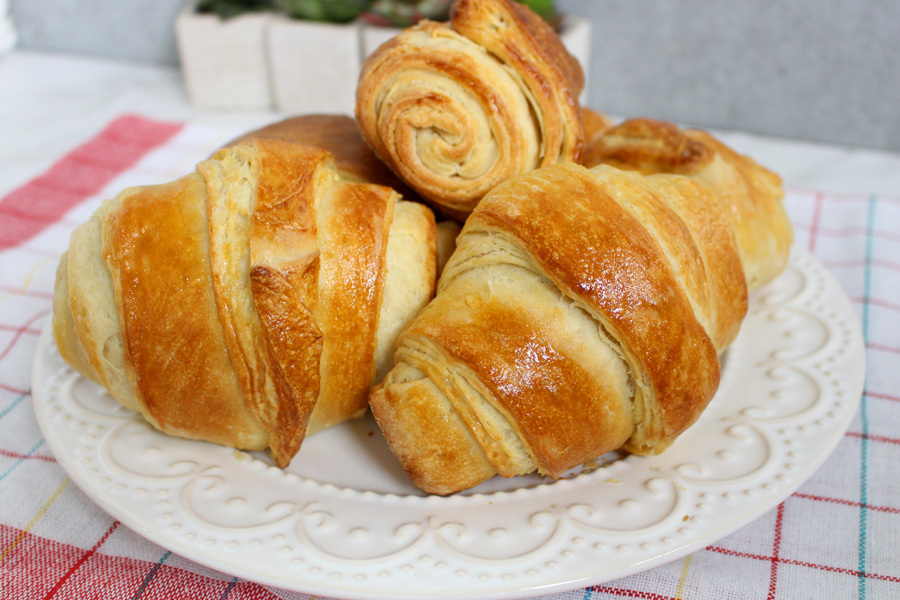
248 302
355 161
750 195
595 124
339 134
583 311
455 108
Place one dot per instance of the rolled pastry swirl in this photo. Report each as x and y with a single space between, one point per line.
248 302
454 109
750 195
582 311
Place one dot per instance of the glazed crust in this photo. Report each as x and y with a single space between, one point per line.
582 311
175 349
232 304
455 108
750 195
353 226
339 135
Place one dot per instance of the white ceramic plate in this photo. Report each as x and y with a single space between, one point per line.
344 521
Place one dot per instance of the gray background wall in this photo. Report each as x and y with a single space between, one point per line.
813 69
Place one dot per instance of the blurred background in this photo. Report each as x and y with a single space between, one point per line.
807 69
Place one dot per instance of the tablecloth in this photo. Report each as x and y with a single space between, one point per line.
838 536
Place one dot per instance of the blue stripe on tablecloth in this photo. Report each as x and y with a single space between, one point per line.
863 407
228 589
21 460
150 575
6 410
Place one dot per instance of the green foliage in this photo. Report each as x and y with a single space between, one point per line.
232 8
403 13
544 8
396 13
332 11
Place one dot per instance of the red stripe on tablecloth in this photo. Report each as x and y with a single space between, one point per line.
847 232
14 390
247 590
776 552
38 565
842 197
25 292
172 583
873 438
81 173
814 226
26 330
801 563
853 503
20 456
883 396
626 593
21 330
84 558
876 302
882 348
861 264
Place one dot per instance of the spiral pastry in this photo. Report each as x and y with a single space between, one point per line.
454 109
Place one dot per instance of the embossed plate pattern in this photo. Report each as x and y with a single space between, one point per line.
343 521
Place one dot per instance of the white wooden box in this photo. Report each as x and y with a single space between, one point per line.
313 66
265 60
224 60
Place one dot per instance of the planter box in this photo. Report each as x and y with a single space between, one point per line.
313 66
224 61
261 61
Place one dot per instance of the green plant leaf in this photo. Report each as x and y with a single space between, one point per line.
227 9
332 11
545 8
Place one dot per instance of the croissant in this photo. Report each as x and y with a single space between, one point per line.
339 134
249 302
454 109
355 161
595 125
583 310
750 194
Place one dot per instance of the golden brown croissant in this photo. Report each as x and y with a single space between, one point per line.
248 302
750 194
583 310
339 134
595 124
454 109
